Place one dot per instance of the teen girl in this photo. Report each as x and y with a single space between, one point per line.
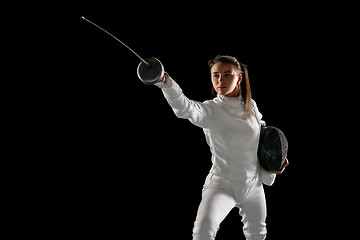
232 133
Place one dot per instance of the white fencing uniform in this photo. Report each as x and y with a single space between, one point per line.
235 178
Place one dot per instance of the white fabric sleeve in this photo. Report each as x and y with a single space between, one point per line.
258 115
198 113
266 177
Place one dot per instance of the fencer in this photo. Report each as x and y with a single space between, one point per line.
232 133
231 124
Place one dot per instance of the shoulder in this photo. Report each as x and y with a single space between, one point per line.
253 103
209 103
256 110
212 103
210 106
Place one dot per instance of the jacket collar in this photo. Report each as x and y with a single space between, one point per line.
229 101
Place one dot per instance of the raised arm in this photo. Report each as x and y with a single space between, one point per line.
198 113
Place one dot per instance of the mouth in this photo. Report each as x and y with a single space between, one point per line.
221 87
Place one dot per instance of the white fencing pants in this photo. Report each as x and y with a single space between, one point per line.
219 197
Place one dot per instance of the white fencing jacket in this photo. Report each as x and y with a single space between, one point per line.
232 136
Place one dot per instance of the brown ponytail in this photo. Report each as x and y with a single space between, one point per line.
245 90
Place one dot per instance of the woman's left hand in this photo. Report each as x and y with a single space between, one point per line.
283 168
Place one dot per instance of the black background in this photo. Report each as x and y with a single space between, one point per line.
104 155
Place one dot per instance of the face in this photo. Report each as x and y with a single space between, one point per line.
225 79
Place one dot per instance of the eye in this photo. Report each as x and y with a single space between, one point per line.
227 75
216 75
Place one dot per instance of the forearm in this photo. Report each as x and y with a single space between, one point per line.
183 107
170 89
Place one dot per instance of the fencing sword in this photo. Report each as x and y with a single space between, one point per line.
149 71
